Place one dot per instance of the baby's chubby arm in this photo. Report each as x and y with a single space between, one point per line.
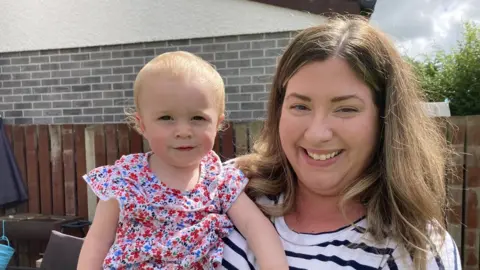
100 236
261 236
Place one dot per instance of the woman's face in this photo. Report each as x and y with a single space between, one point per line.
328 126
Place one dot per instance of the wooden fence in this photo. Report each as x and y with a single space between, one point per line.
52 159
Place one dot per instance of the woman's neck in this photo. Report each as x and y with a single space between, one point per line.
315 213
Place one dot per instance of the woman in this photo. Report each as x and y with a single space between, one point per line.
348 166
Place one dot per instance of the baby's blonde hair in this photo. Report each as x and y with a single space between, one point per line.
178 65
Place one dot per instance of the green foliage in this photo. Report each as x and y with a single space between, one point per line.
454 76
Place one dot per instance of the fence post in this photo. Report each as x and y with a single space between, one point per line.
90 165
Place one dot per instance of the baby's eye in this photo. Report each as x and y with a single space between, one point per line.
198 118
165 118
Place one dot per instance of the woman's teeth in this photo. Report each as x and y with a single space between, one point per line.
323 156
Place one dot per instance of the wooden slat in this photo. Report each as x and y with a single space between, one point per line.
135 141
32 169
227 148
100 154
18 136
81 169
111 143
8 134
123 136
44 170
241 138
69 170
56 159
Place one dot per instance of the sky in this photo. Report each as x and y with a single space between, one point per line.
421 27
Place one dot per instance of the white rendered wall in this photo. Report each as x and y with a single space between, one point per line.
52 24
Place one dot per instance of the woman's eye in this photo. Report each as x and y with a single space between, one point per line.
299 107
198 118
347 110
165 118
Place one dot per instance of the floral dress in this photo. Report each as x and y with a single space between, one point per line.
164 228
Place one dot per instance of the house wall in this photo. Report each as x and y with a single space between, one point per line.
94 84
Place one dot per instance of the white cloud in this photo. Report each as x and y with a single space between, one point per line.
421 27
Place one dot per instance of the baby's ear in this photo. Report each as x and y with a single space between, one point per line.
221 122
139 123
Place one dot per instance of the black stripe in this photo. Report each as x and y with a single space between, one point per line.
228 265
237 250
363 246
392 265
296 268
355 265
438 260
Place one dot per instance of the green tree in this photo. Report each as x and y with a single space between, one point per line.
454 76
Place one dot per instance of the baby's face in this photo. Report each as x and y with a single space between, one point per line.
179 119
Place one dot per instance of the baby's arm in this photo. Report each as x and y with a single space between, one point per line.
100 236
259 232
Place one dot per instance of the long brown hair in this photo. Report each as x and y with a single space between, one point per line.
404 187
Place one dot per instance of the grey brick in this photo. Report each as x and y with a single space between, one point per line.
23 121
122 54
17 83
4 92
133 61
102 71
251 54
262 79
226 55
252 71
63 120
91 64
264 44
128 93
239 97
52 112
178 42
232 89
112 63
137 69
50 82
22 91
69 50
274 52
220 64
252 106
61 74
59 58
41 75
113 94
16 113
193 49
206 56
129 77
61 104
82 119
29 83
36 97
20 61
82 103
145 52
103 86
80 57
122 70
237 115
71 81
122 86
103 118
50 97
50 66
159 51
41 90
89 80
201 41
61 89
270 70
238 63
261 96
238 46
70 65
253 88
133 46
225 39
42 120
92 95
42 105
12 99
21 76
264 62
72 111
259 114
214 47
112 78
32 113
93 110
156 44
238 80
4 62
229 72
6 106
102 102
81 73
282 43
81 88
90 49
22 106
119 118
71 96
277 35
49 52
10 69
232 106
39 59
113 110
100 55
252 37
121 102
5 77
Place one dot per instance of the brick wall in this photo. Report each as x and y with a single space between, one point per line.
94 84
